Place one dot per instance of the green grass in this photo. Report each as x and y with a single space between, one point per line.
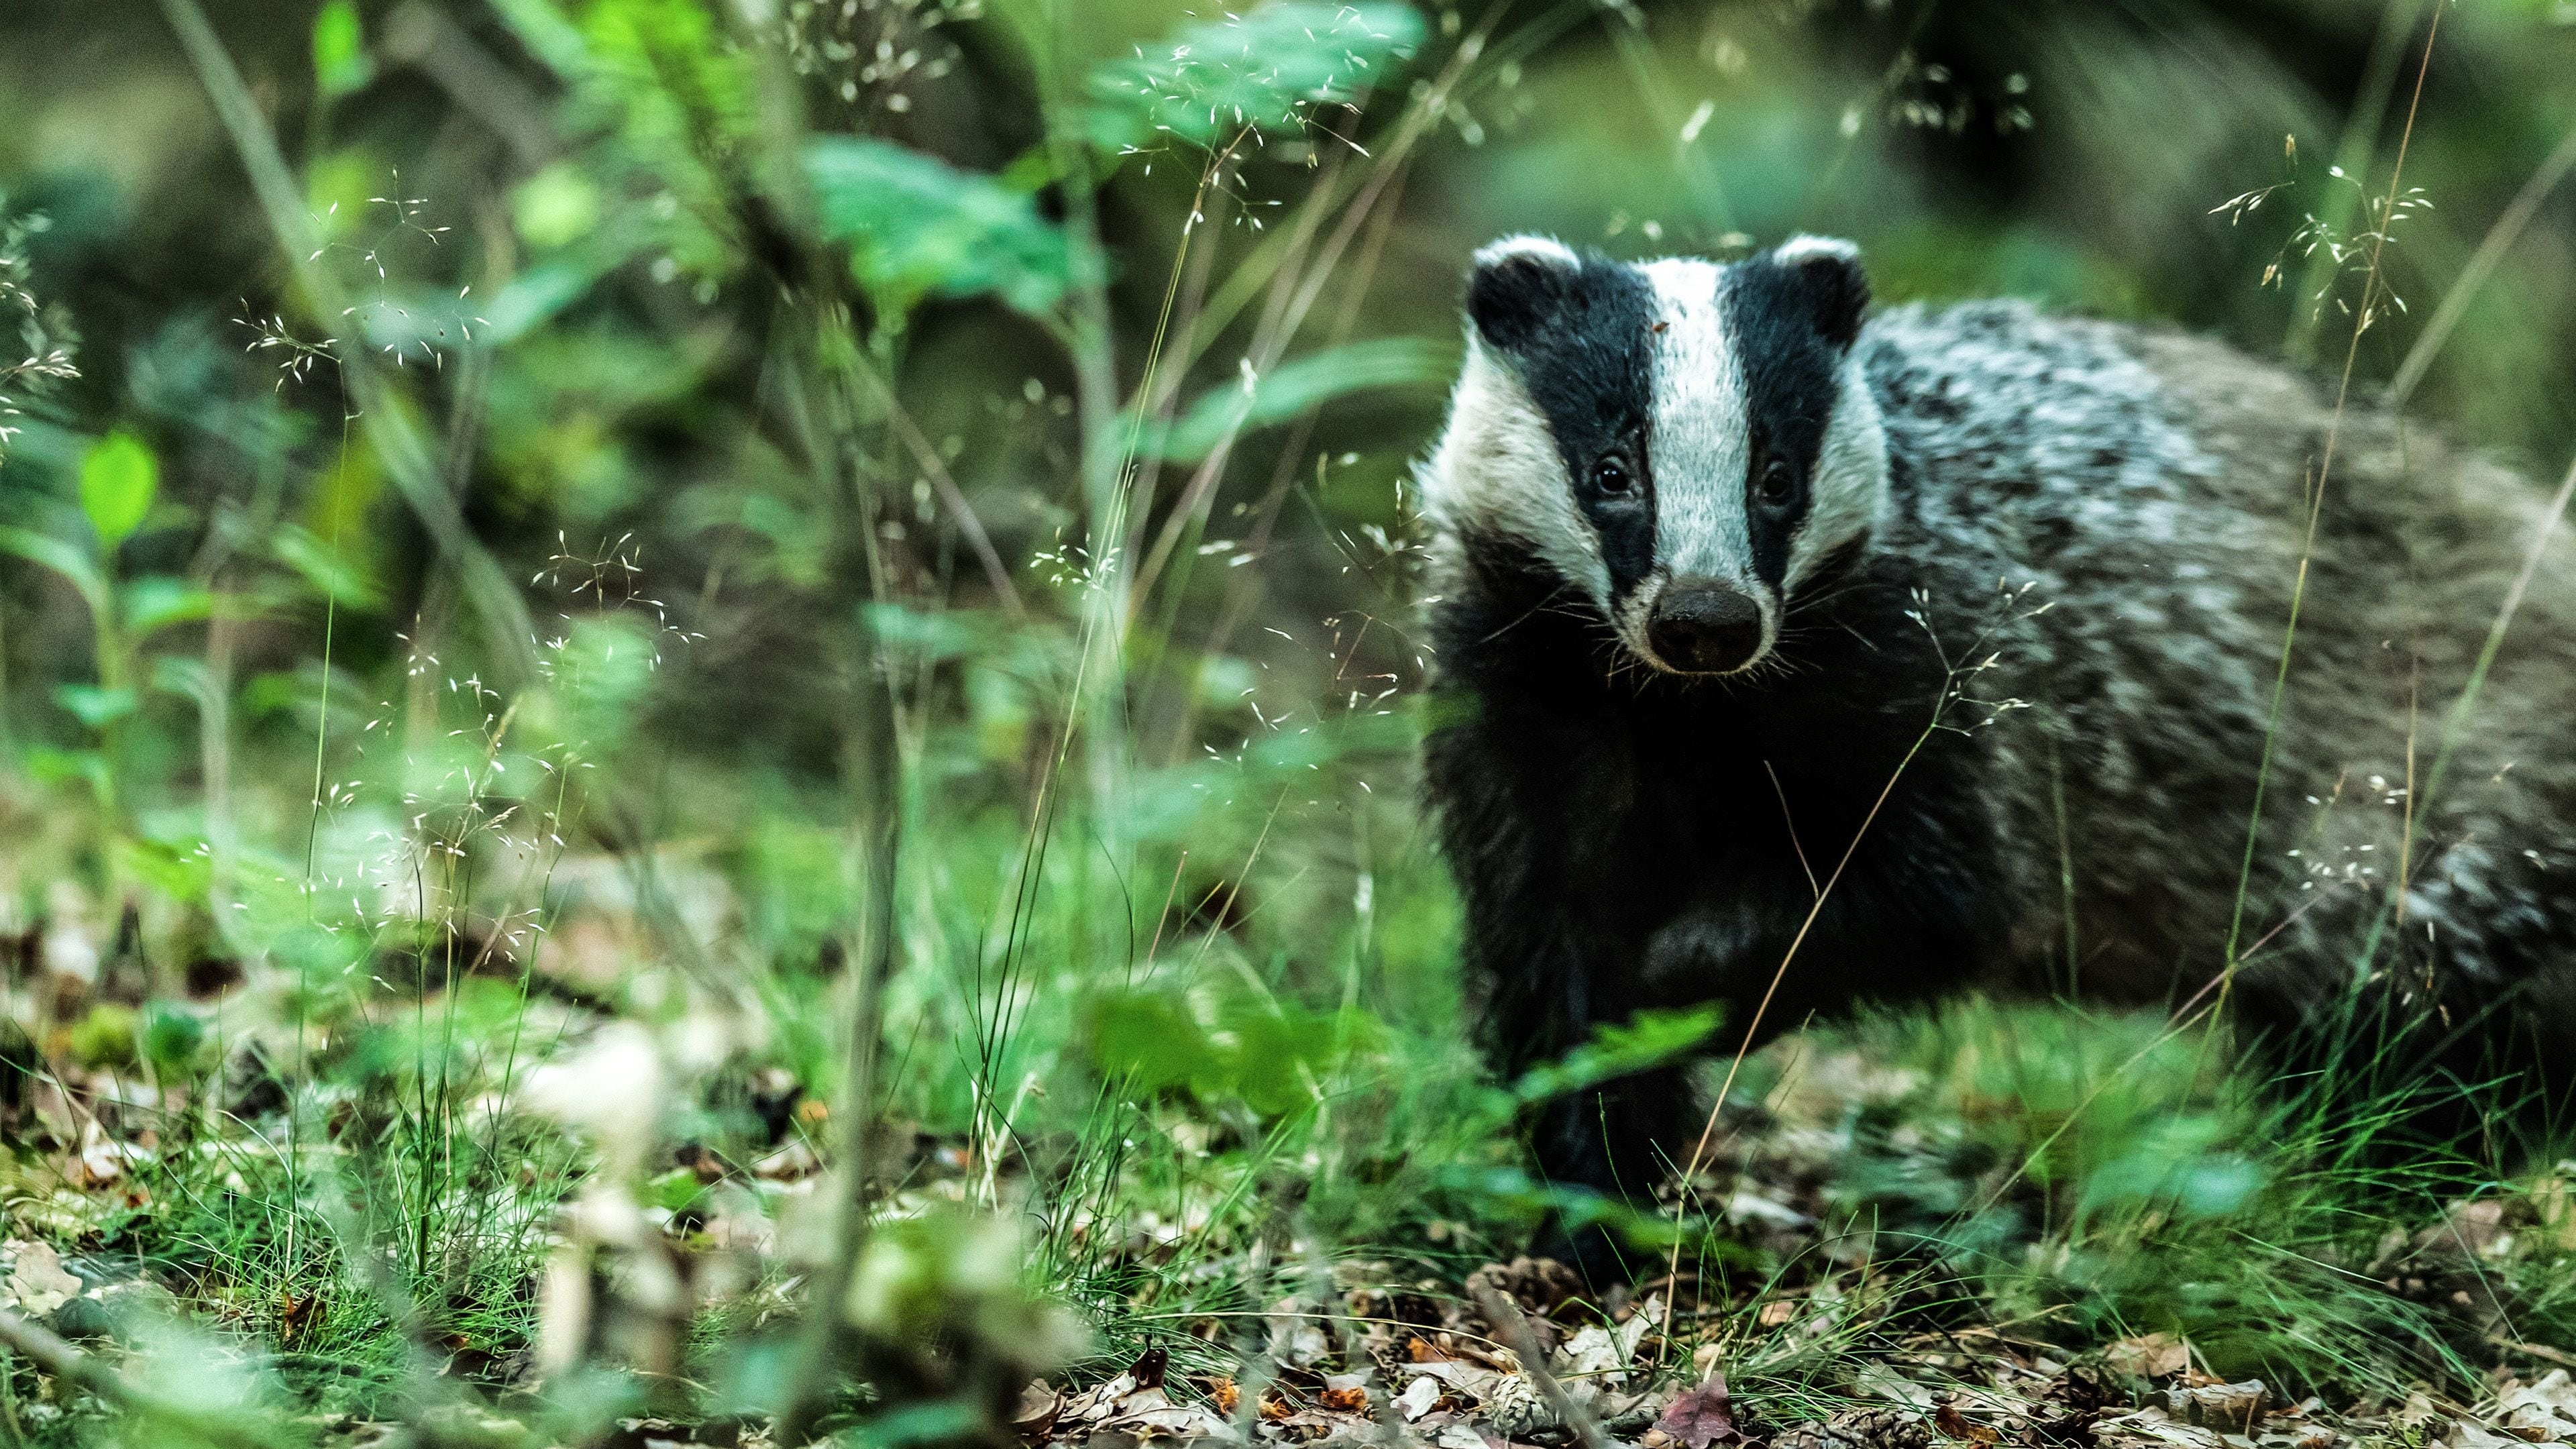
939 579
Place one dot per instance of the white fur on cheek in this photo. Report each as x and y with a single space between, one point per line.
1849 488
1497 471
1697 445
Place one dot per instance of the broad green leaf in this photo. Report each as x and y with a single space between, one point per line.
331 574
1280 1056
157 601
555 207
171 1035
1269 1056
923 633
542 28
186 676
918 227
1648 1039
674 1190
1305 382
336 187
118 479
1262 71
340 63
105 1037
1151 1039
534 297
95 707
62 558
54 766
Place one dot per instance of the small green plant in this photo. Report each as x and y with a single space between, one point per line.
119 483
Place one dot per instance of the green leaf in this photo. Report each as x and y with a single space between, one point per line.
157 601
331 574
1649 1039
556 207
118 479
62 558
935 1421
1264 71
1270 1056
171 1036
95 707
340 63
535 296
105 1037
184 676
674 1190
547 34
53 766
1305 382
1152 1039
919 227
929 635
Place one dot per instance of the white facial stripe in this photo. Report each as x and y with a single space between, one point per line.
1698 445
1498 469
1849 486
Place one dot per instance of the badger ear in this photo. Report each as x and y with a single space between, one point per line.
1516 288
1830 277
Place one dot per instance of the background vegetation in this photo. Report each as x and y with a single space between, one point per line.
666 661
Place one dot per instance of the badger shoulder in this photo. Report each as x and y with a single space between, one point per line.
2130 447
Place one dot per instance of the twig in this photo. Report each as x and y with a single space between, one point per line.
1504 1314
2540 1351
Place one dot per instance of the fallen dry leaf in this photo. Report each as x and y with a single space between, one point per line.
2153 1356
1947 1418
1040 1406
2467 1435
2232 1407
1148 1413
1702 1415
100 1161
2541 1412
2157 1426
37 1282
1591 1354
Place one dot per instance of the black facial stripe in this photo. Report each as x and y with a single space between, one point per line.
1590 370
1792 376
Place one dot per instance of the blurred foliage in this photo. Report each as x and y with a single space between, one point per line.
961 451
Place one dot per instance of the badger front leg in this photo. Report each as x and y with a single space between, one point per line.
1626 1137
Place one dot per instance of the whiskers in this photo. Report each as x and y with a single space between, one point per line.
1546 605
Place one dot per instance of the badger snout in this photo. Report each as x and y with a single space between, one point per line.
1704 626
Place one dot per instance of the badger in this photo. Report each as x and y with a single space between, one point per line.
1797 656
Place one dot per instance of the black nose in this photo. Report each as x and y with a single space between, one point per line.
1705 626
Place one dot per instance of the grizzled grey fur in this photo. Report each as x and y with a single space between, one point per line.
1710 548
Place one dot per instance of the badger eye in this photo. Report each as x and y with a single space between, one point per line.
1777 483
1610 475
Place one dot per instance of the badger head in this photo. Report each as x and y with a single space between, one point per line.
1682 445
